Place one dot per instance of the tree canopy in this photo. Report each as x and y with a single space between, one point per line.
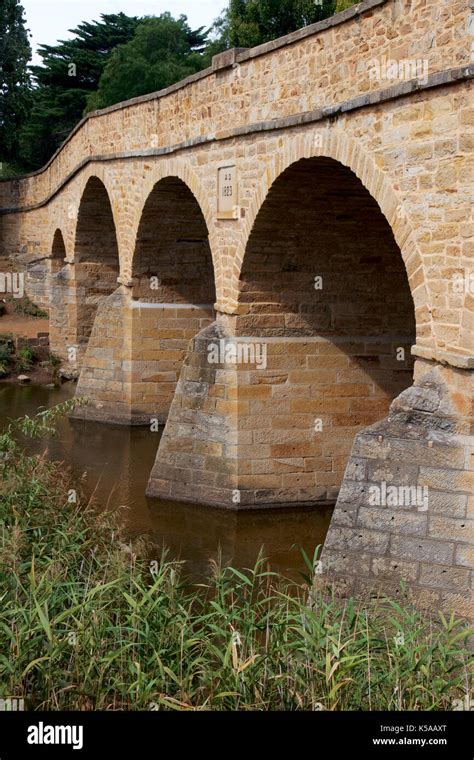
246 23
15 52
70 71
163 51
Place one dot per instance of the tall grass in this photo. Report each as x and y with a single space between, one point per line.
90 622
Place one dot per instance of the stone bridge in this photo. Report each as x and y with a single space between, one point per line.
275 257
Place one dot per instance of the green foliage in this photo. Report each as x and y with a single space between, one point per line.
25 359
6 353
11 169
163 51
15 52
86 622
246 23
342 5
6 347
53 365
26 307
69 72
39 426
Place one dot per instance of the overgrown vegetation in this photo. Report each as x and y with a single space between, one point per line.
87 622
15 95
6 354
53 365
70 71
163 51
11 361
26 307
8 169
246 23
24 359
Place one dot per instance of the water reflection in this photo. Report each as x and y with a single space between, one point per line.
114 463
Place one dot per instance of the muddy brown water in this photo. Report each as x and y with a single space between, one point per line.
113 464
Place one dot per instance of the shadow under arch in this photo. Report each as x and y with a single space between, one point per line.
96 255
172 292
58 252
170 169
350 154
172 260
324 287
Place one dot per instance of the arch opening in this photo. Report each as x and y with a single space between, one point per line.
58 252
172 261
96 255
323 286
173 292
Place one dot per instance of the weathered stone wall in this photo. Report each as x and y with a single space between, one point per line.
293 418
317 67
427 538
416 148
134 357
160 338
196 458
411 154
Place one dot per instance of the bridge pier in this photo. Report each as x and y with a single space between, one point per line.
243 437
63 317
269 421
404 510
134 357
77 292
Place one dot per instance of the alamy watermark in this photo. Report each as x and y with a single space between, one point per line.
404 70
234 352
385 495
463 282
47 734
463 704
13 283
12 704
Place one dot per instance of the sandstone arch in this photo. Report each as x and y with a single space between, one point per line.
172 246
323 287
142 331
409 142
96 255
332 143
173 290
156 173
58 251
62 313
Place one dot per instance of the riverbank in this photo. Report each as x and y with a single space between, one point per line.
89 621
25 356
24 343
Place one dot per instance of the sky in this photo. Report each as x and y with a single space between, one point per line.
49 20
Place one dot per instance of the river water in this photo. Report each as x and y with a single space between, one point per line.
113 465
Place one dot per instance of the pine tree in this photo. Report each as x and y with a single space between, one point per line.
70 71
15 52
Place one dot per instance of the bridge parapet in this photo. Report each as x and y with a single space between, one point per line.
373 45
